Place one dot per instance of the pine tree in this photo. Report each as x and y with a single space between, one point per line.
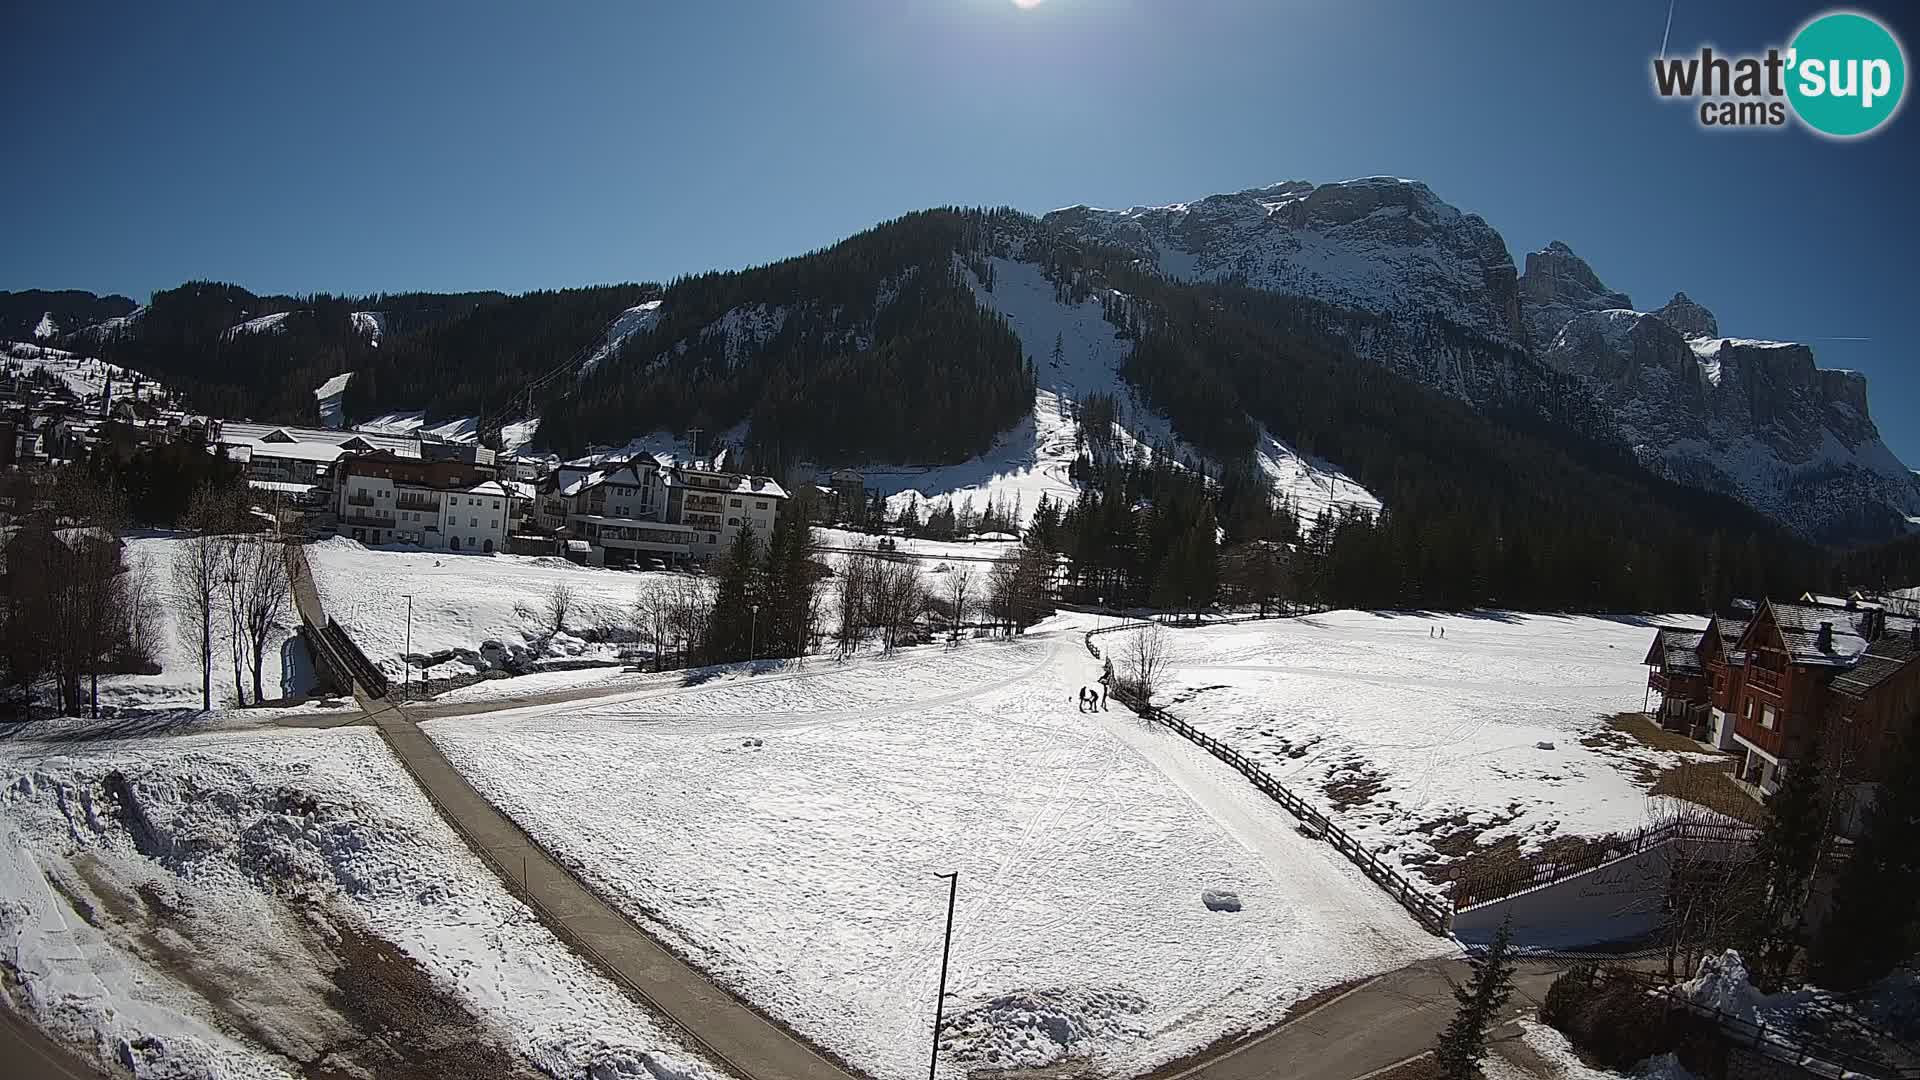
1787 850
734 623
1878 897
1463 1045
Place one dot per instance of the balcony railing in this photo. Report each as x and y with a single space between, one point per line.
1773 740
1765 679
359 500
417 503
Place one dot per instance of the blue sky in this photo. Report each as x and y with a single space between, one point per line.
365 147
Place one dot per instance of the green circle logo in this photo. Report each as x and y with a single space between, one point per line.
1846 74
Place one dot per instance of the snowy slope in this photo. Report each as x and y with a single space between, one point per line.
1448 728
182 904
1034 457
86 376
635 320
371 323
261 325
45 328
793 825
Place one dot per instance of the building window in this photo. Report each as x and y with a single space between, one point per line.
733 502
1766 717
733 521
760 504
1749 708
473 523
496 504
496 524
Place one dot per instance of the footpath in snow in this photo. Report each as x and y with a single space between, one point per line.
784 833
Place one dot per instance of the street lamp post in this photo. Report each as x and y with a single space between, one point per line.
753 631
406 662
940 1002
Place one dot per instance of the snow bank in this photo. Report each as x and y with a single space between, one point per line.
1721 983
182 905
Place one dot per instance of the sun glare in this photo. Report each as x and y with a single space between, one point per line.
1025 4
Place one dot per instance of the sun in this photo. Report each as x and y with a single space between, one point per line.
1026 4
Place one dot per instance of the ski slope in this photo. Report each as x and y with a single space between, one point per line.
183 906
784 833
1032 459
1447 732
87 377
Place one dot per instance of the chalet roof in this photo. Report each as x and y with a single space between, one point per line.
1678 651
1886 658
1732 626
1800 628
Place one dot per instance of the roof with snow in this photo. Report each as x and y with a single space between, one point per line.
1884 659
1676 651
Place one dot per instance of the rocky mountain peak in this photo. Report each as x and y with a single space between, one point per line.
1556 286
1378 243
1688 317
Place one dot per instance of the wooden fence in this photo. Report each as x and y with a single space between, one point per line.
1431 912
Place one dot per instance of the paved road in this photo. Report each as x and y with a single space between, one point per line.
1382 1022
29 1055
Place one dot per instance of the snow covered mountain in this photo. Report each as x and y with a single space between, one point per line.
1755 420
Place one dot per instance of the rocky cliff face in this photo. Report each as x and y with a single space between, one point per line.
1753 419
1378 243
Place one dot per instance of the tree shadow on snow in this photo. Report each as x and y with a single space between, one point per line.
81 730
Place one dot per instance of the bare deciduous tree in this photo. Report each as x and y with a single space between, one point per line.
1145 658
850 589
558 607
261 594
960 598
198 574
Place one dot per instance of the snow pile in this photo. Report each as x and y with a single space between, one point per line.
1721 983
210 906
1034 1029
46 327
794 822
1553 1048
1410 740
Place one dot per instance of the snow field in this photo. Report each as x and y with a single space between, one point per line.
784 833
196 867
1407 738
460 601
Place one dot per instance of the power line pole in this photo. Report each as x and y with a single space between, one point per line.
406 662
940 1002
693 440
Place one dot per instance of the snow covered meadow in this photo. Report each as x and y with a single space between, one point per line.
460 601
264 904
784 833
1420 745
